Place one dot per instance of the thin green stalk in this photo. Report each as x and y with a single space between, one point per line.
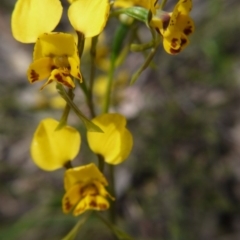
144 66
88 124
68 165
163 4
92 75
64 118
119 37
109 87
87 92
112 212
81 41
100 162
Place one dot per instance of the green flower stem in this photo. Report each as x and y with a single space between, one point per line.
68 165
81 41
87 92
73 233
112 213
163 4
118 233
144 66
119 37
142 47
64 118
109 87
88 124
92 75
100 162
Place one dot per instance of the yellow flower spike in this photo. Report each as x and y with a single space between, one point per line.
115 143
89 17
85 190
55 56
51 149
32 18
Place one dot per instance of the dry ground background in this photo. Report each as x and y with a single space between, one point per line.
182 180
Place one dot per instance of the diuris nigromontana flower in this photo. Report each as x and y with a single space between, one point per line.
175 27
52 149
85 190
55 57
31 18
115 143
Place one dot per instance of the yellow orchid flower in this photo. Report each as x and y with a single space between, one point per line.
148 4
115 143
56 58
85 190
31 18
52 149
175 27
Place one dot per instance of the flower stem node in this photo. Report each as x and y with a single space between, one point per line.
52 149
55 57
115 143
85 190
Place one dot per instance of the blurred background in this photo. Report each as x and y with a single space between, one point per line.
182 179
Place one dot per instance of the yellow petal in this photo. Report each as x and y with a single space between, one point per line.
61 76
52 149
83 174
40 69
123 3
184 6
101 190
98 203
32 18
148 4
89 17
175 43
55 44
126 146
185 24
74 70
115 143
71 197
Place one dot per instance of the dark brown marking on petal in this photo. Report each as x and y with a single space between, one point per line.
174 42
175 51
79 75
93 204
183 41
34 76
67 204
188 30
65 74
59 78
53 67
102 206
166 21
